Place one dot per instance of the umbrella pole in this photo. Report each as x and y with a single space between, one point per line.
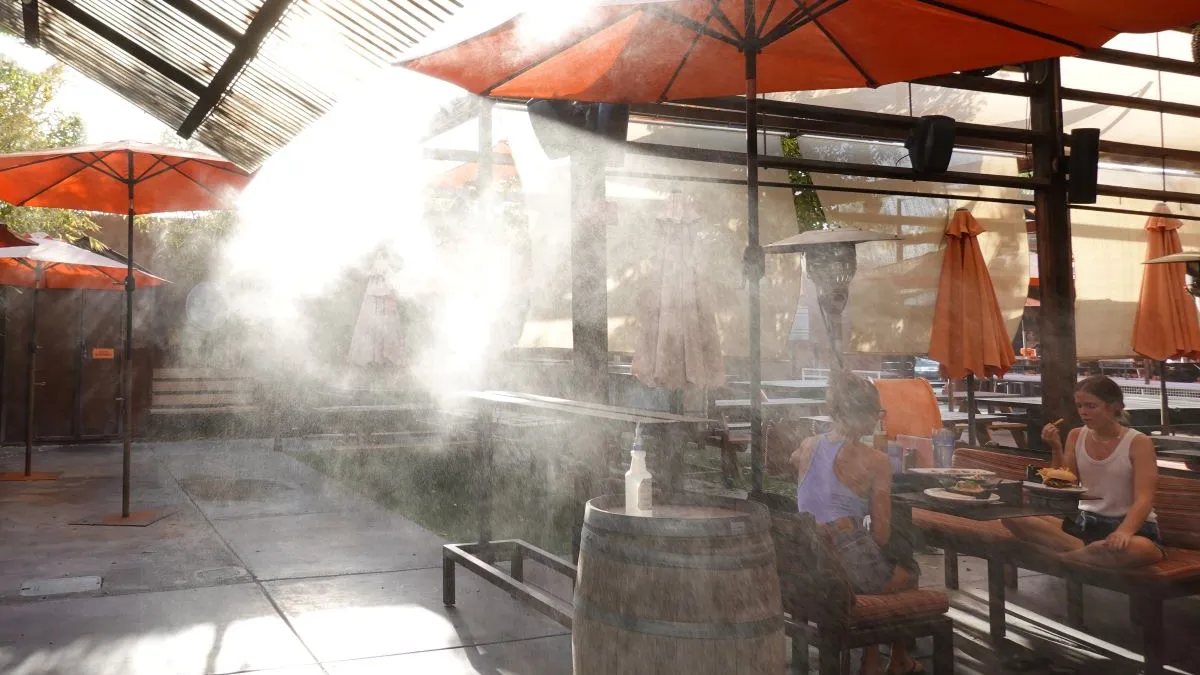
1164 409
753 261
972 436
127 358
31 373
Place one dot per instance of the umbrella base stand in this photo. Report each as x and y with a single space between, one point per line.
135 519
36 475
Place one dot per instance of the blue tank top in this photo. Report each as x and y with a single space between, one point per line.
822 494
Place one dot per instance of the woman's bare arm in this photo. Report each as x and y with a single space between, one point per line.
803 455
881 499
1145 482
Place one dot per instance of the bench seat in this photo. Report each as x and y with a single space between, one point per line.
872 610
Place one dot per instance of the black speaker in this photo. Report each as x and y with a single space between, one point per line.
1083 166
552 121
931 144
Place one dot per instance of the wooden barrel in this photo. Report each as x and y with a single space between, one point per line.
692 589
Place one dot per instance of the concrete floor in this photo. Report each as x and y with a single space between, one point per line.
266 566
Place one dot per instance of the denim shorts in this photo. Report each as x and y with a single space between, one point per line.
1092 527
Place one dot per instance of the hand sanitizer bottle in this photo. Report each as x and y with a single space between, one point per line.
637 479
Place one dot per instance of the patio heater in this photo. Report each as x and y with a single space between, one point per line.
831 261
1192 260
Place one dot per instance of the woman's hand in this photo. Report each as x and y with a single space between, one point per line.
1051 436
1118 540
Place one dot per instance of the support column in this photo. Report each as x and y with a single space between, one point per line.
589 276
1053 217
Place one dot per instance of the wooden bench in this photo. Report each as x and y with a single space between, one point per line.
200 394
1177 501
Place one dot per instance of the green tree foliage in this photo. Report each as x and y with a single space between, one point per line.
810 215
29 121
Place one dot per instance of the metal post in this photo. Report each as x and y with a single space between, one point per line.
972 436
1165 410
127 357
754 262
589 276
1053 214
31 373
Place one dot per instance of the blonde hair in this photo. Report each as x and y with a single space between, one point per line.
853 400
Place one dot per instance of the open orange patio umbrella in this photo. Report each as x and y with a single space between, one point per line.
969 337
126 178
1166 325
54 264
655 50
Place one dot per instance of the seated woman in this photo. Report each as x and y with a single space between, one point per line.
841 481
1116 526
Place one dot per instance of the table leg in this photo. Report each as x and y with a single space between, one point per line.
448 589
485 454
996 598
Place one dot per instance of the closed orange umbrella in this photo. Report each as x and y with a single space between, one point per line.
1166 325
969 337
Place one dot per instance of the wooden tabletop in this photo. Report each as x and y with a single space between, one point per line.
947 417
571 408
770 403
1131 403
997 511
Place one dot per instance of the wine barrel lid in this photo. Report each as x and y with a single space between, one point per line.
679 515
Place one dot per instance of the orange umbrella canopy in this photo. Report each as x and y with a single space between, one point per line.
968 329
53 263
679 49
1166 325
98 178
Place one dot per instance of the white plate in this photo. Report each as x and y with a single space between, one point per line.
950 473
1038 487
947 496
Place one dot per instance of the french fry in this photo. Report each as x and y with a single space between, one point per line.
1058 422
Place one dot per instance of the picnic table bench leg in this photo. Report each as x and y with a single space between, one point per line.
943 649
1153 637
448 590
1074 603
950 563
996 598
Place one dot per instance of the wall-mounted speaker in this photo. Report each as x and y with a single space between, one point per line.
931 144
1083 166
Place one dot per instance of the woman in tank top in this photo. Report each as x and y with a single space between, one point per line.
1116 526
840 482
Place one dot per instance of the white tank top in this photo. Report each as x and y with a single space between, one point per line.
1110 480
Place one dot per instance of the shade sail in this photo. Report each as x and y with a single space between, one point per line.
969 335
674 50
96 178
1166 324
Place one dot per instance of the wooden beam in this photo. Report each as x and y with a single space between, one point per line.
243 51
987 85
154 61
29 17
1135 102
1053 223
1123 58
1148 195
202 16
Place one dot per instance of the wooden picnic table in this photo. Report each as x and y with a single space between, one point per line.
771 403
797 385
904 502
949 418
